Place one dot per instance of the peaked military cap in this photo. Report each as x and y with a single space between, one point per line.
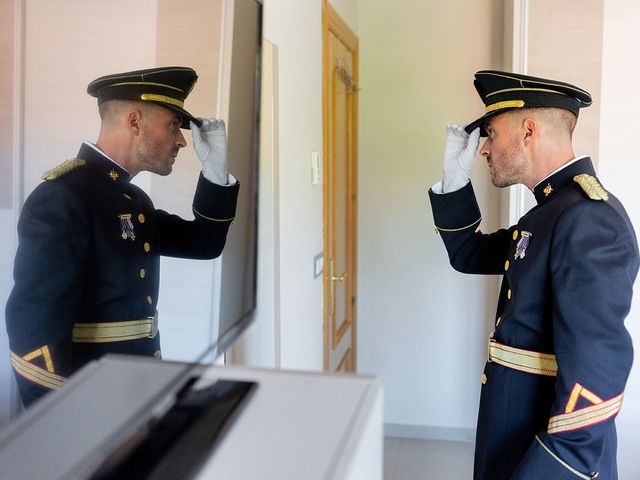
164 86
504 91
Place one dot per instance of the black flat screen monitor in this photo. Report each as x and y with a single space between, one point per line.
238 265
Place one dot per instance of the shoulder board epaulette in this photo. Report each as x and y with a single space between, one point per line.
591 187
64 167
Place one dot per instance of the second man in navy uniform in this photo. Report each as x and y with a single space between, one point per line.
87 267
560 355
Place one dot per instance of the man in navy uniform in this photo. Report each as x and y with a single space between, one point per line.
559 356
87 267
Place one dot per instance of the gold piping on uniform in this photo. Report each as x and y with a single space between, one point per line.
505 104
562 462
552 84
154 84
214 219
458 229
525 89
162 98
156 71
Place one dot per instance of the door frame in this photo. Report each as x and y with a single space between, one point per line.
333 23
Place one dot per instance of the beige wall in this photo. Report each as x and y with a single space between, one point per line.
565 42
68 44
6 194
189 33
6 105
560 47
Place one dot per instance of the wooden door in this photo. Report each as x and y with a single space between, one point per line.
340 115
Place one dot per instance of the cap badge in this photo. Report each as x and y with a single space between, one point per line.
126 226
523 243
113 174
547 190
591 186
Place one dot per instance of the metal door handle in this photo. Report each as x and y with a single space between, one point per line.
340 278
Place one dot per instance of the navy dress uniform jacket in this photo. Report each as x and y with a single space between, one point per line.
87 267
560 354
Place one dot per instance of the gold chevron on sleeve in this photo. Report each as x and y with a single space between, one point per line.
577 392
34 373
45 354
585 417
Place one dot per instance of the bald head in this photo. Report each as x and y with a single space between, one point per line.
112 112
556 124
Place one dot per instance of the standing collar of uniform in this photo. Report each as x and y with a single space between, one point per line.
560 168
562 177
91 152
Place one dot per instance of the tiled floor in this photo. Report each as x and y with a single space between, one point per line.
411 459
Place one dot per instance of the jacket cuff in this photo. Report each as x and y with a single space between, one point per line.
456 210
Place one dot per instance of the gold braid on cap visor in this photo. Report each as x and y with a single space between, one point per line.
505 104
162 98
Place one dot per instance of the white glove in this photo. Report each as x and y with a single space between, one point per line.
210 144
459 155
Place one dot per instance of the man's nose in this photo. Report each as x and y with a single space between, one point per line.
182 142
485 150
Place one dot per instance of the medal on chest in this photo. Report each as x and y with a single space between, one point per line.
523 243
126 226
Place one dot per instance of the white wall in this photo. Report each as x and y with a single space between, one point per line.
405 279
619 170
422 326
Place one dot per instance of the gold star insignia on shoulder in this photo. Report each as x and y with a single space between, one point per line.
64 167
591 187
547 190
113 174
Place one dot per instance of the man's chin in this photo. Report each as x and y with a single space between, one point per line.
501 183
164 172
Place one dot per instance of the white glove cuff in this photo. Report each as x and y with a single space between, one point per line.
451 183
215 173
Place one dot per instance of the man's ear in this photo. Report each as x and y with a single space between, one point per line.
133 120
529 130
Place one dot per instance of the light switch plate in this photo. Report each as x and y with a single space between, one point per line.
315 168
318 264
